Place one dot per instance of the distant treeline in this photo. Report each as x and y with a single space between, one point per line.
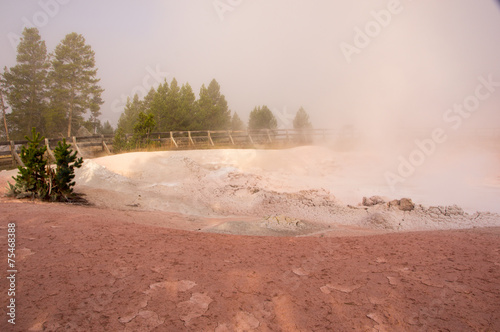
175 108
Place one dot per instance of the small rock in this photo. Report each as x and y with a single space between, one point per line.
374 200
393 203
405 204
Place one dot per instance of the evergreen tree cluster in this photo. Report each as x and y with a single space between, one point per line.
301 120
262 118
52 92
175 108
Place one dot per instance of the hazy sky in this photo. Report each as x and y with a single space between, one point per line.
412 61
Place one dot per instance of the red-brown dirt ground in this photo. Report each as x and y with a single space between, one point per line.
84 268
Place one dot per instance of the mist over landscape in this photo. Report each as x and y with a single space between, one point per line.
286 54
264 165
415 85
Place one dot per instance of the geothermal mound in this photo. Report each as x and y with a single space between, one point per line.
302 184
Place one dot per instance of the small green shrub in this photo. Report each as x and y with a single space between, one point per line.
66 161
32 178
141 137
37 179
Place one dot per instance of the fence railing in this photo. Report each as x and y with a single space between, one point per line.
91 146
250 138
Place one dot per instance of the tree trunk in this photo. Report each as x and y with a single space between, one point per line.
71 105
70 118
4 118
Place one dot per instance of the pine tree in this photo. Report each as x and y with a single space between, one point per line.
148 99
25 85
119 141
301 120
236 123
213 112
262 118
95 112
158 106
107 129
4 134
187 108
74 87
130 113
172 108
32 178
62 180
143 127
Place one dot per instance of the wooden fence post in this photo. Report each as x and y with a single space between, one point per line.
230 137
4 118
210 138
76 147
14 154
190 138
105 146
173 140
49 151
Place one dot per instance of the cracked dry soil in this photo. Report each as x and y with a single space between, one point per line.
90 269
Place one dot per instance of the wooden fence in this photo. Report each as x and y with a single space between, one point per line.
240 139
92 146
